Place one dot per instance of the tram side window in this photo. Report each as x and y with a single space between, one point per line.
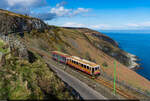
74 62
87 67
92 70
82 65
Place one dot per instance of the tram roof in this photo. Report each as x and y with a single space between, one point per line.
83 61
60 53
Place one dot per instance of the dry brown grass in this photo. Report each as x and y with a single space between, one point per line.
75 43
123 73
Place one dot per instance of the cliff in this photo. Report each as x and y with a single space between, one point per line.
82 42
11 22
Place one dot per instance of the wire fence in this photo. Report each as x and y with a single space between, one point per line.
124 84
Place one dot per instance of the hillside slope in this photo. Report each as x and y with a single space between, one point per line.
28 78
81 42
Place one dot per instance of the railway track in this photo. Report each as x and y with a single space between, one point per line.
108 85
98 79
118 90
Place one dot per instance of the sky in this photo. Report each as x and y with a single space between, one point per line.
94 14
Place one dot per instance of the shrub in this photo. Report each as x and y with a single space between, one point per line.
105 64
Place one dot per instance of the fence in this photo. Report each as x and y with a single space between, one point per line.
124 84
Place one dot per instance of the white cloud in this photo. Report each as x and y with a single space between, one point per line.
132 25
143 25
80 10
61 4
73 24
21 2
100 26
60 10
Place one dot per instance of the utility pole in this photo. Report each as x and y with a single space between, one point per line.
114 77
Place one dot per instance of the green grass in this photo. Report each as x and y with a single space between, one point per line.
22 80
3 50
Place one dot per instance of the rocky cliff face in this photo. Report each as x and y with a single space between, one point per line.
11 22
16 46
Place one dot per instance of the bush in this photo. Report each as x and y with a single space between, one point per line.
105 64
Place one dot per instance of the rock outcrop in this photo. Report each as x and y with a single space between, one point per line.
15 45
12 23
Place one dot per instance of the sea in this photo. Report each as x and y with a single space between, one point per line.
137 44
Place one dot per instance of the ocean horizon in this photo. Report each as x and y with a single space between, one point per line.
137 44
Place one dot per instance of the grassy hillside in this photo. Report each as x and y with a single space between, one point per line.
75 42
22 80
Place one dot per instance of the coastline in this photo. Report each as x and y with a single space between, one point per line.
133 62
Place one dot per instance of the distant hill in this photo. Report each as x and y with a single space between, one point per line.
127 31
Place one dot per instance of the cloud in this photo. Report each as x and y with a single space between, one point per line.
22 6
25 3
61 4
27 7
143 25
60 10
132 25
21 2
80 10
44 16
99 26
73 24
